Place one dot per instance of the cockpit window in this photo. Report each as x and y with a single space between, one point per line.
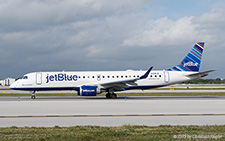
25 77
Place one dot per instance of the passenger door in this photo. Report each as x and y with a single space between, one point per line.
38 78
166 76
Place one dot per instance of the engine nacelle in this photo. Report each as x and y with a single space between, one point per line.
89 90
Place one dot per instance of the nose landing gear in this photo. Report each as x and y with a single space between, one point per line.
33 95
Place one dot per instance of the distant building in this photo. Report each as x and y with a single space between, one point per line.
7 82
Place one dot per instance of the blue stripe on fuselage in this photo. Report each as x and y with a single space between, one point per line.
78 88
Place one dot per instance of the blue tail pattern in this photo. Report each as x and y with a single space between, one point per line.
192 61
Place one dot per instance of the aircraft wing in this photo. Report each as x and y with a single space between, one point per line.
119 85
200 74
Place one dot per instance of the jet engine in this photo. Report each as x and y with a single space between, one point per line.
89 91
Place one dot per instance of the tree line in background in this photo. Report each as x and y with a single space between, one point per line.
206 81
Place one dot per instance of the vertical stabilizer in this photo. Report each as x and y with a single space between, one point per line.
192 61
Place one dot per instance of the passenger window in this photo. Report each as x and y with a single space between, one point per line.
93 76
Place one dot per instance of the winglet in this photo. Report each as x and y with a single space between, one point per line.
146 74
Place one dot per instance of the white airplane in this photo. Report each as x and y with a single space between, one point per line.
91 83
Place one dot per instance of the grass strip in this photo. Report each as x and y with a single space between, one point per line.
190 88
127 132
173 94
121 94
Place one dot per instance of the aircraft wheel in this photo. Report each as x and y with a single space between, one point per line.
33 97
113 96
107 95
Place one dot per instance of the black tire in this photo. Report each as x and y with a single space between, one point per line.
33 97
113 96
107 95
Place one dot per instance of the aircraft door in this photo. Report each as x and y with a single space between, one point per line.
166 76
38 78
98 77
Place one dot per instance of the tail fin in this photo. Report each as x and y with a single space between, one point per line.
192 61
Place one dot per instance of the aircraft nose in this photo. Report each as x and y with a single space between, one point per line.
13 85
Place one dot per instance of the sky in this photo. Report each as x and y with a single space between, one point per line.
94 35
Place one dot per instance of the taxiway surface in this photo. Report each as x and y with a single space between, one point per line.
72 111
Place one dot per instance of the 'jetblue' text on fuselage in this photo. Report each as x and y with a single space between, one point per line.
61 77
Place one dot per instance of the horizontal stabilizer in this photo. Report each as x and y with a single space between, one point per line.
200 74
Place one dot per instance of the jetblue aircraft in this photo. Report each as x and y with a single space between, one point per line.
91 83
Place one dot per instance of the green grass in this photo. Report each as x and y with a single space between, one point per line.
122 94
39 95
5 89
89 133
172 94
189 88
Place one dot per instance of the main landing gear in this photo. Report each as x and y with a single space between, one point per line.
33 95
111 95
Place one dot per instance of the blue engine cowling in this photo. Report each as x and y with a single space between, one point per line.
89 90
